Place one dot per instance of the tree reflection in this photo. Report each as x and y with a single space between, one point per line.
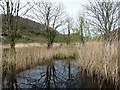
52 75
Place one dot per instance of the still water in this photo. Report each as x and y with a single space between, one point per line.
54 74
58 74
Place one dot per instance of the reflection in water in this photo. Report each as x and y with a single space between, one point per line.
54 74
57 74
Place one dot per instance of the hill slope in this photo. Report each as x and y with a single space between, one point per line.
30 31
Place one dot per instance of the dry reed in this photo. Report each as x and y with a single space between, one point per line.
101 59
31 56
93 57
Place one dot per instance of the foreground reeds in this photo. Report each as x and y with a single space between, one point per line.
31 56
99 60
96 59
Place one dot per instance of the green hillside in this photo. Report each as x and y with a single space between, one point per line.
31 31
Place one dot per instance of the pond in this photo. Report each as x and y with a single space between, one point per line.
58 74
55 74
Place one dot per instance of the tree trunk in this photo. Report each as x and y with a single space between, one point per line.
12 65
82 36
49 45
119 59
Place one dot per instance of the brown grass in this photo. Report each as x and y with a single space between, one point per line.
30 56
97 58
93 57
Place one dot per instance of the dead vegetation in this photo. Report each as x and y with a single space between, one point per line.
94 58
97 58
30 56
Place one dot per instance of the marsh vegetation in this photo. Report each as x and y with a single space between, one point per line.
36 55
100 65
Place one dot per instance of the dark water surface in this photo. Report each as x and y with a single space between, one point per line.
54 74
59 74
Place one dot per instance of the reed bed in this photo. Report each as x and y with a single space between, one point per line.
100 59
31 56
97 59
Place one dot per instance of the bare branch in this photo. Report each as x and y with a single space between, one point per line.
103 16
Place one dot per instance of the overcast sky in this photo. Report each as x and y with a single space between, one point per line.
72 7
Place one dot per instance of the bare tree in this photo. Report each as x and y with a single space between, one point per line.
10 11
119 44
69 28
51 15
80 28
103 16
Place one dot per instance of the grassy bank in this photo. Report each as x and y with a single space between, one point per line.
100 61
28 56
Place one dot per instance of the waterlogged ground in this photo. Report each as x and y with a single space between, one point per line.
54 74
59 74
